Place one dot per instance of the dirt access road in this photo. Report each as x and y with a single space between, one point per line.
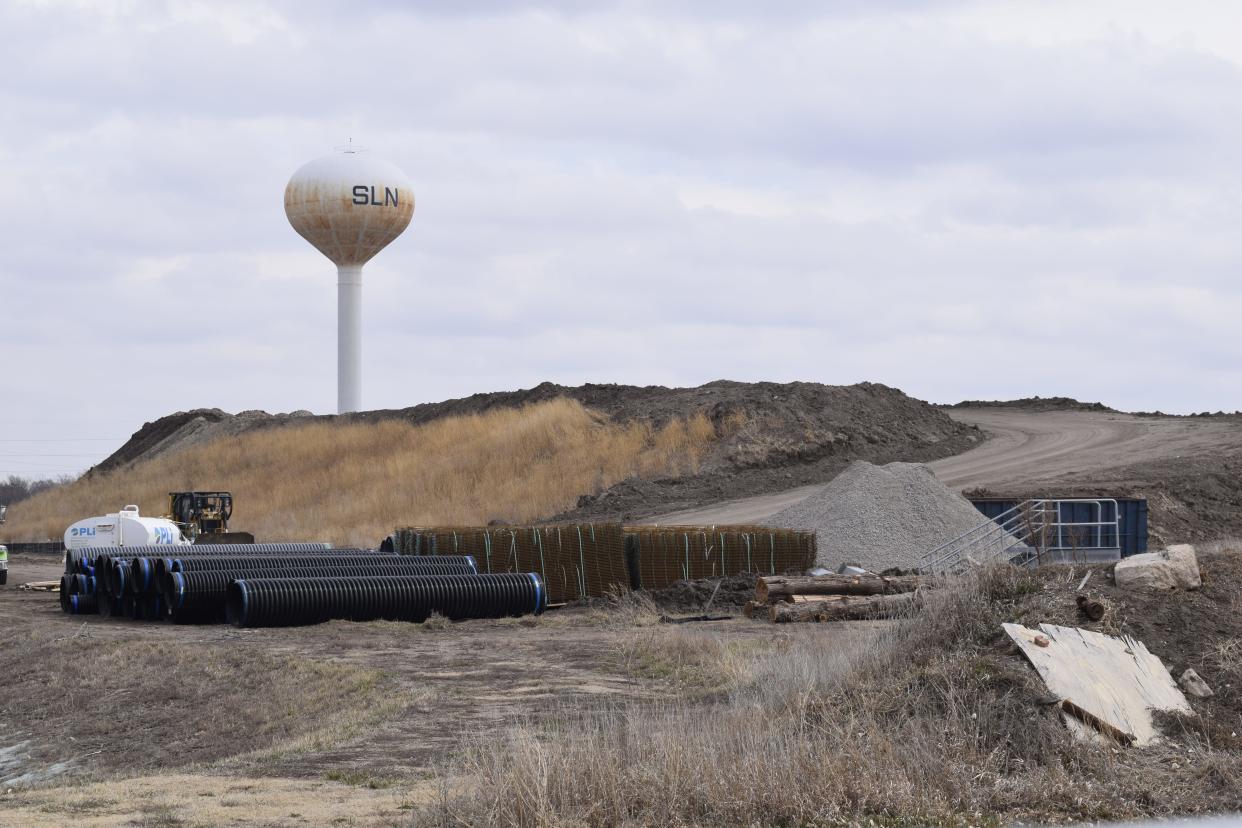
178 753
1027 447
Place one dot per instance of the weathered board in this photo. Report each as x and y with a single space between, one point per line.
1112 684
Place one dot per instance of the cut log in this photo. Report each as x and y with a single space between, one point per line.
754 608
1090 608
795 599
843 608
776 587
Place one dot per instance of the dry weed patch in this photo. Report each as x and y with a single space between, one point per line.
691 661
202 800
355 483
138 704
931 720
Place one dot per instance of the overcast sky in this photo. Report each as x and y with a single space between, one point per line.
960 200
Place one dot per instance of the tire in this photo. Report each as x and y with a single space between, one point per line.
4 577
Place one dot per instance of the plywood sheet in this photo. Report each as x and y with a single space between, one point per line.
1111 683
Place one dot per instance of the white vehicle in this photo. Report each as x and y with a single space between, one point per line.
4 564
124 528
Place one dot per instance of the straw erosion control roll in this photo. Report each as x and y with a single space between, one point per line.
880 517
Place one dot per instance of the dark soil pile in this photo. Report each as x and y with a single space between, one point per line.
725 594
790 435
1036 404
189 428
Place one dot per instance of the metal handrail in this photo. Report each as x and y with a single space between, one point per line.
1115 524
1015 525
1028 525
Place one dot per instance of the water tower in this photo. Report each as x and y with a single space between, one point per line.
350 205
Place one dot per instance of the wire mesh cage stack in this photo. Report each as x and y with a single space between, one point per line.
658 556
576 560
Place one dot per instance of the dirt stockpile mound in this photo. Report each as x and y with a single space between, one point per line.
1036 404
881 516
772 436
191 428
776 437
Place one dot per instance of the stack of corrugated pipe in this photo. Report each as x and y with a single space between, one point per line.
285 584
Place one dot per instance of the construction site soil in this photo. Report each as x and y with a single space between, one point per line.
90 698
381 706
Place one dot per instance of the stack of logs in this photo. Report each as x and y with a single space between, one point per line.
783 599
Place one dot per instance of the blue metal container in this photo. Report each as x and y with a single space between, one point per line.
1133 526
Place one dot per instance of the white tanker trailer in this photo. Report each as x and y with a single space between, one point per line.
124 528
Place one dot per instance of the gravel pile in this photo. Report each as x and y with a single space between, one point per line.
880 517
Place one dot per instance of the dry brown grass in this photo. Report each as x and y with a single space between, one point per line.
202 800
692 662
145 704
929 721
355 483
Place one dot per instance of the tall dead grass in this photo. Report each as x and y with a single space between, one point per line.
929 721
355 483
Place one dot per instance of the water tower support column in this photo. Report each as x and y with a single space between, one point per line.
348 338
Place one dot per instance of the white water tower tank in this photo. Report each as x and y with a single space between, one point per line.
350 205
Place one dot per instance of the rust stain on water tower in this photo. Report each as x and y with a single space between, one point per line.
332 216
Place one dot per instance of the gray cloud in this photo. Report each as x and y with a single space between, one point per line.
908 192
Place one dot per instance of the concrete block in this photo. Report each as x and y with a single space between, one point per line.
1173 568
1192 684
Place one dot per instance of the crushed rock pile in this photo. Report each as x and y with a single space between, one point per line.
880 517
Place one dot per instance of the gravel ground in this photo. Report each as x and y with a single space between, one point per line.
880 517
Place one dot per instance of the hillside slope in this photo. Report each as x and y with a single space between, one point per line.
352 483
1189 469
769 436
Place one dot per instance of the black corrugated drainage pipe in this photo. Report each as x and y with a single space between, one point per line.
139 607
77 594
87 554
66 584
464 564
269 602
143 571
83 605
199 596
163 563
141 576
152 607
118 577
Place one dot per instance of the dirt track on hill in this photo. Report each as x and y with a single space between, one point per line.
1027 446
1030 452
